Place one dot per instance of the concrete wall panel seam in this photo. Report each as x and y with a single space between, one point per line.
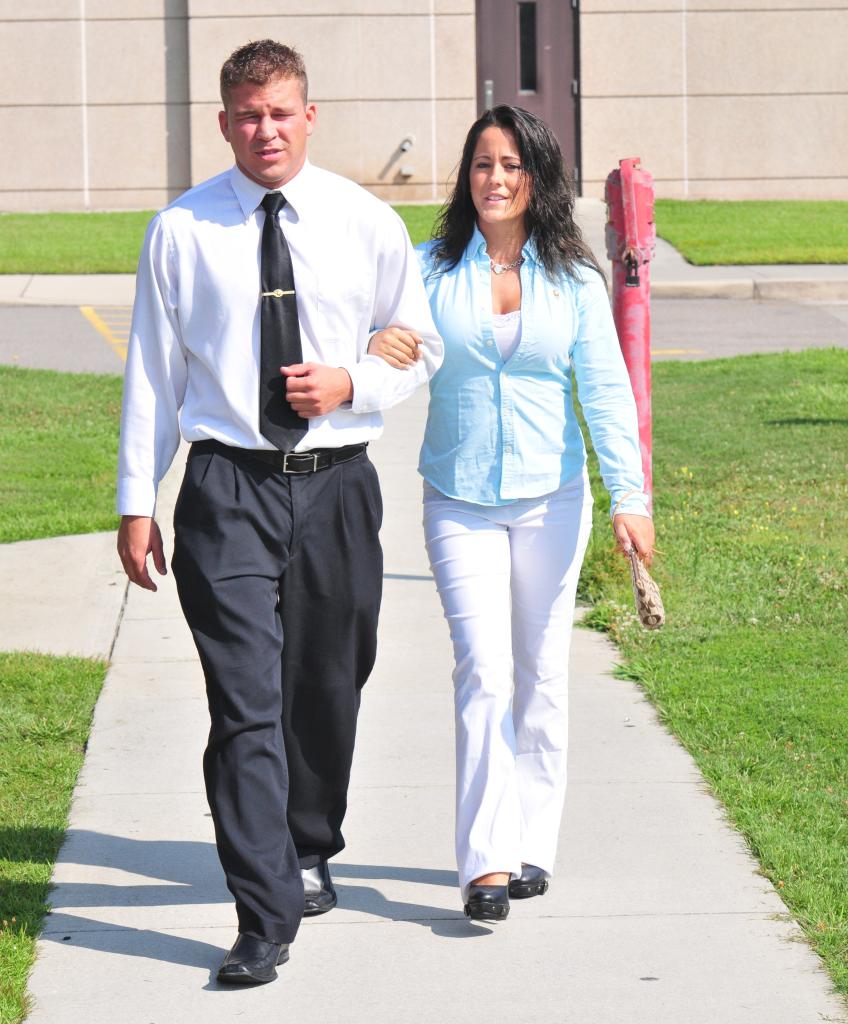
322 100
723 180
711 10
691 95
99 103
90 20
333 17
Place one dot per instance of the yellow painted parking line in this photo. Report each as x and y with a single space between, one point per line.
111 323
677 351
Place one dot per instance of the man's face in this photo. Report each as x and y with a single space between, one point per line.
267 127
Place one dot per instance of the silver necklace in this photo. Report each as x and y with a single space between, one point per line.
499 268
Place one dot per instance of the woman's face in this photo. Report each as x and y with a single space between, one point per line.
499 190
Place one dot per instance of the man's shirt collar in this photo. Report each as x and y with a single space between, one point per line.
298 190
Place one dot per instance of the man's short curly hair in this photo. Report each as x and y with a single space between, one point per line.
262 62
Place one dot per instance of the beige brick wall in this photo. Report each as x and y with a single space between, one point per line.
93 110
719 99
118 109
371 74
111 104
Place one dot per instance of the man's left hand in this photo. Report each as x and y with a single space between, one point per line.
313 389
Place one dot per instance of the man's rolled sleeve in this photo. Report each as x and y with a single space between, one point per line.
155 379
400 301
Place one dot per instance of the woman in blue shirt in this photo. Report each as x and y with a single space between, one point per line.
523 310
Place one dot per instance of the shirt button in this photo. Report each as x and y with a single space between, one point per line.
489 343
556 294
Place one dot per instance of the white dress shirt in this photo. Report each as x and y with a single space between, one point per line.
193 358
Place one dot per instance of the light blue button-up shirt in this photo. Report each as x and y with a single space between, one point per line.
499 430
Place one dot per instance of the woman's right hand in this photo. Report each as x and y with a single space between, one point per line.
635 531
397 346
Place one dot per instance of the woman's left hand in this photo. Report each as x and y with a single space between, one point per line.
397 346
635 531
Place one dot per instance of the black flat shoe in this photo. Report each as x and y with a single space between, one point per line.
487 902
252 961
319 895
532 881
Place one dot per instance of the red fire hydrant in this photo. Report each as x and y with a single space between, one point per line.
631 237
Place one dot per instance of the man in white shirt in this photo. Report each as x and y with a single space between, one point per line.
276 556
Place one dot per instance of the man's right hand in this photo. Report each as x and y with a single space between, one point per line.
138 537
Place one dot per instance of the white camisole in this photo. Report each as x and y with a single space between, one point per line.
507 330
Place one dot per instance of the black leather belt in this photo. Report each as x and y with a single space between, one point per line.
286 462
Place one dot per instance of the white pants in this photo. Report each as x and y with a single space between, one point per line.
507 576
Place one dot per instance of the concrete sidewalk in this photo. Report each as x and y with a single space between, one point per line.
657 913
671 277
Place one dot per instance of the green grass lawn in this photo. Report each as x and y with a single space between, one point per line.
706 232
46 706
765 231
71 243
107 243
59 452
751 482
419 221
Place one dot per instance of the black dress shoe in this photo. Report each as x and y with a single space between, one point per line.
532 881
319 896
252 961
487 902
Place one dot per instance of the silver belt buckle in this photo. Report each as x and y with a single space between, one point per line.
300 455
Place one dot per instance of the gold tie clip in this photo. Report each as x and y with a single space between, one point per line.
277 293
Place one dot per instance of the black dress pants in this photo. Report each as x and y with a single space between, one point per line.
280 579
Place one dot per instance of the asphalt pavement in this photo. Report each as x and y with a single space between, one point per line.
64 338
698 328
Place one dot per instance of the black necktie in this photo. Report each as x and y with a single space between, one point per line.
280 332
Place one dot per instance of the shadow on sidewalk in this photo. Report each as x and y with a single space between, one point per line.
189 874
425 876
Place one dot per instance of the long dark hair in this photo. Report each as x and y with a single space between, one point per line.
550 210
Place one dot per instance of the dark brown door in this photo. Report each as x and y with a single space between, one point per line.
527 56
